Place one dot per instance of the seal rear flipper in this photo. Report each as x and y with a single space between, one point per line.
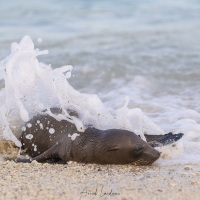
162 140
50 153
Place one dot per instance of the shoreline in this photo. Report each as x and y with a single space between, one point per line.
76 181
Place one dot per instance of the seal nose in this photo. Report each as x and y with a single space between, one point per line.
152 154
157 154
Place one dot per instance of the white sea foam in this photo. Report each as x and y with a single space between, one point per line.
29 136
32 87
73 136
51 130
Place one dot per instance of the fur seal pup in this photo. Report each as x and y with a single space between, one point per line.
45 138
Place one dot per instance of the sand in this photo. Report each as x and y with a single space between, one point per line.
90 181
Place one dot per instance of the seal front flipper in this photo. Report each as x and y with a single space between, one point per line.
23 160
18 160
50 153
162 140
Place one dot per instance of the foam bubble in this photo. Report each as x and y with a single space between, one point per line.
29 136
35 148
51 130
41 126
73 136
39 40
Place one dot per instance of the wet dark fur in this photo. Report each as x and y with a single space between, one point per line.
111 146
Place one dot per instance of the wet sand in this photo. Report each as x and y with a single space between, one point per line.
80 181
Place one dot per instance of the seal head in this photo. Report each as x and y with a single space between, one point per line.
123 147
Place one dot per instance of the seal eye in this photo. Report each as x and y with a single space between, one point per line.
113 148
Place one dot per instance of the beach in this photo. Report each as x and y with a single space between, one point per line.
74 181
131 65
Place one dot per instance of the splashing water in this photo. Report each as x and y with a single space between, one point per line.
32 87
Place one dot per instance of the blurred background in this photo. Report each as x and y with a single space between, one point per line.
148 50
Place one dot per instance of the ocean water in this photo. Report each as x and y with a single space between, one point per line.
145 51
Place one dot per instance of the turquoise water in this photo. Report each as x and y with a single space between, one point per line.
108 40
